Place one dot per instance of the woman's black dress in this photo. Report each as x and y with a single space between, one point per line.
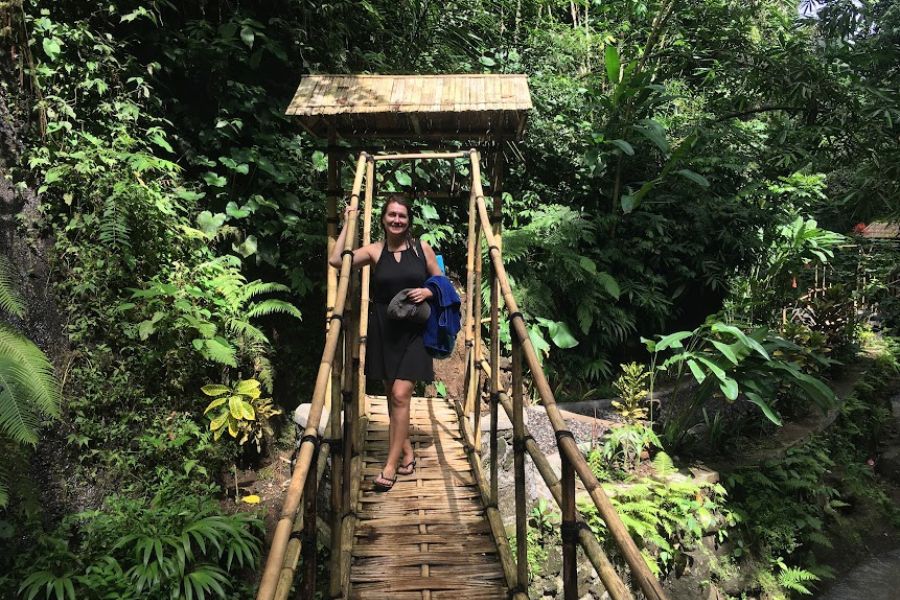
394 348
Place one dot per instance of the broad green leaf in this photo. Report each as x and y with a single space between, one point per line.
740 335
764 406
629 203
232 210
729 387
51 48
673 340
236 407
247 247
403 178
214 389
429 212
561 335
247 411
210 223
247 36
695 177
609 284
218 422
487 61
716 369
623 146
613 64
247 387
215 404
726 351
214 179
698 373
160 141
654 132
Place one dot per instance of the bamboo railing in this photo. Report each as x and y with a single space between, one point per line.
340 383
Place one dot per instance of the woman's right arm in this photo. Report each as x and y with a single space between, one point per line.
361 257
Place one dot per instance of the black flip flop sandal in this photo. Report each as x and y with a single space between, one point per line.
407 469
380 487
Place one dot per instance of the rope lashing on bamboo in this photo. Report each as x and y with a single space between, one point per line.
648 583
275 559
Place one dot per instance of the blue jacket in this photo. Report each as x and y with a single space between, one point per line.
444 322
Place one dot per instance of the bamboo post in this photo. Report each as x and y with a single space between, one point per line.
365 278
648 583
470 291
308 584
295 545
519 449
495 318
310 439
475 380
337 455
334 191
570 566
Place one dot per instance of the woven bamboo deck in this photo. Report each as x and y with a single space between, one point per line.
428 537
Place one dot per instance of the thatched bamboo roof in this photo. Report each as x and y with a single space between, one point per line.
413 106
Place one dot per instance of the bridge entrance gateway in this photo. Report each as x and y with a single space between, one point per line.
438 533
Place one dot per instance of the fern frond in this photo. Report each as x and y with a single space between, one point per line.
663 464
247 330
10 301
4 490
273 306
114 230
28 387
793 578
257 287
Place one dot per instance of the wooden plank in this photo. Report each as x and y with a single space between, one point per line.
428 536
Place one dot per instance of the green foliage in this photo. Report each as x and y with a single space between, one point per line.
723 358
632 386
169 547
672 516
624 445
28 386
10 302
241 411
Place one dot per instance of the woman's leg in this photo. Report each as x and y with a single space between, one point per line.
400 448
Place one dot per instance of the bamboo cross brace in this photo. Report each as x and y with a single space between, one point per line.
648 583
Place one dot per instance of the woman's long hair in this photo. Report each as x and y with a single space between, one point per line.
405 202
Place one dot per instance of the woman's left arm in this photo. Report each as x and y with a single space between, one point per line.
430 260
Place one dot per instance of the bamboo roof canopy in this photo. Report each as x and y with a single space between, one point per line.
452 107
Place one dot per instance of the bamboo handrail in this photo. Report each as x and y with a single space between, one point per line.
569 451
592 549
275 559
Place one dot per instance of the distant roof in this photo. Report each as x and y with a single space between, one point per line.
879 230
472 106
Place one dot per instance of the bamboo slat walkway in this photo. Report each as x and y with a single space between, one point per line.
428 537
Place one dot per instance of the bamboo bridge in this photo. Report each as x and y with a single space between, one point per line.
439 532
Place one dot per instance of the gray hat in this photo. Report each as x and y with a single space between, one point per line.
402 307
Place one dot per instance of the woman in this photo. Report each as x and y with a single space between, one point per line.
395 352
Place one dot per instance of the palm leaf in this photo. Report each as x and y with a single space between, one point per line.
10 301
28 387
